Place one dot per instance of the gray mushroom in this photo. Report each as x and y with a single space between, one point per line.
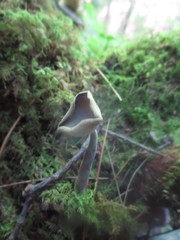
81 120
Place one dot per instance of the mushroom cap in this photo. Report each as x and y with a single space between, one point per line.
82 117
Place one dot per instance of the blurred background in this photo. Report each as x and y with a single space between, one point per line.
135 17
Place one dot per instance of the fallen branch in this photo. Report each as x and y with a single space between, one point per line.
126 139
31 190
58 175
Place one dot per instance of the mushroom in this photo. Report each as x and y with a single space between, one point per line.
82 120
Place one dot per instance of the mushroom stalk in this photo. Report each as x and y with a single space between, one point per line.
85 168
81 120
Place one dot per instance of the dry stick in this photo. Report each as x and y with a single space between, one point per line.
41 179
101 155
111 86
112 166
123 137
120 170
117 174
20 182
125 175
8 135
33 190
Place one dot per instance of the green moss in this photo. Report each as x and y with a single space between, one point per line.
100 217
40 72
145 73
8 214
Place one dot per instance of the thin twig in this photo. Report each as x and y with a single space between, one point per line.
126 174
20 183
101 155
167 141
123 193
41 179
8 135
34 189
111 86
117 174
127 139
115 179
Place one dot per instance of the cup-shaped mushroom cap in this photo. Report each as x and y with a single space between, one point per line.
82 117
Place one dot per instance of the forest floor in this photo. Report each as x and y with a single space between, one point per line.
42 67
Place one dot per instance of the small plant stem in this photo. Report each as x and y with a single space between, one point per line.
109 83
101 155
115 179
8 135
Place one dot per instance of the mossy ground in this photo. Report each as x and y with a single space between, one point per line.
42 66
40 71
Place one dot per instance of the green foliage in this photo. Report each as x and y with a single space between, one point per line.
97 43
31 48
7 213
145 73
101 215
116 218
64 198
